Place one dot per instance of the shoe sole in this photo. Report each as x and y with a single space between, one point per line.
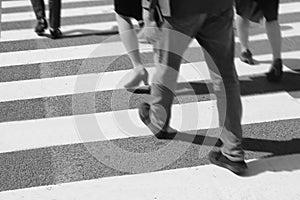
227 166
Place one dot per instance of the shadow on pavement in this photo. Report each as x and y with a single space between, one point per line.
83 33
281 156
253 84
275 147
274 164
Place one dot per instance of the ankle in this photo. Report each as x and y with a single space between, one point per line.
277 61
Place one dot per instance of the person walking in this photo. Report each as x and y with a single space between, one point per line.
54 17
248 10
125 11
210 22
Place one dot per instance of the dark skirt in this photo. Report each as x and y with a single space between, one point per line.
129 8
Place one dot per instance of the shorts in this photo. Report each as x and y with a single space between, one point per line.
129 8
267 8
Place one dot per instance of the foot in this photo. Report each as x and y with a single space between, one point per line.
246 56
141 37
137 76
41 26
55 33
159 133
217 158
275 73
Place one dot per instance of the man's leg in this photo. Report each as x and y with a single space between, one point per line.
173 44
176 36
217 38
55 9
39 8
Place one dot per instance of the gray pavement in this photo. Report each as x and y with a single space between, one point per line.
74 162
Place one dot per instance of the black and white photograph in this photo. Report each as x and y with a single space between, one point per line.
149 99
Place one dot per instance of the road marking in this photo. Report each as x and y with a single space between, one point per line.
202 182
67 85
66 12
31 134
84 51
28 34
285 8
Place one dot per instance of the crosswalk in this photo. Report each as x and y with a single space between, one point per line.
69 130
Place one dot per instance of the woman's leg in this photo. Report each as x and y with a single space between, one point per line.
130 41
274 36
242 25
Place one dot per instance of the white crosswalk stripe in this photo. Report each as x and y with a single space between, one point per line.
105 9
66 85
70 12
57 111
21 135
23 3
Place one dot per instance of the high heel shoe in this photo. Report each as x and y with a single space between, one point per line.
137 78
275 73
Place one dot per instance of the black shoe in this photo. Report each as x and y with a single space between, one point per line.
144 115
41 26
55 33
246 56
275 73
217 158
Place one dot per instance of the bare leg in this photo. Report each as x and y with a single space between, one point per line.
242 26
274 35
130 41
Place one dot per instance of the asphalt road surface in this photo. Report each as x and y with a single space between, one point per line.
69 130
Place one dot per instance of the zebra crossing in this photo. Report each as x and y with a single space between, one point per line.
69 130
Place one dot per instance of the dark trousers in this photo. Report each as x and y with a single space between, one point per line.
214 33
54 11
